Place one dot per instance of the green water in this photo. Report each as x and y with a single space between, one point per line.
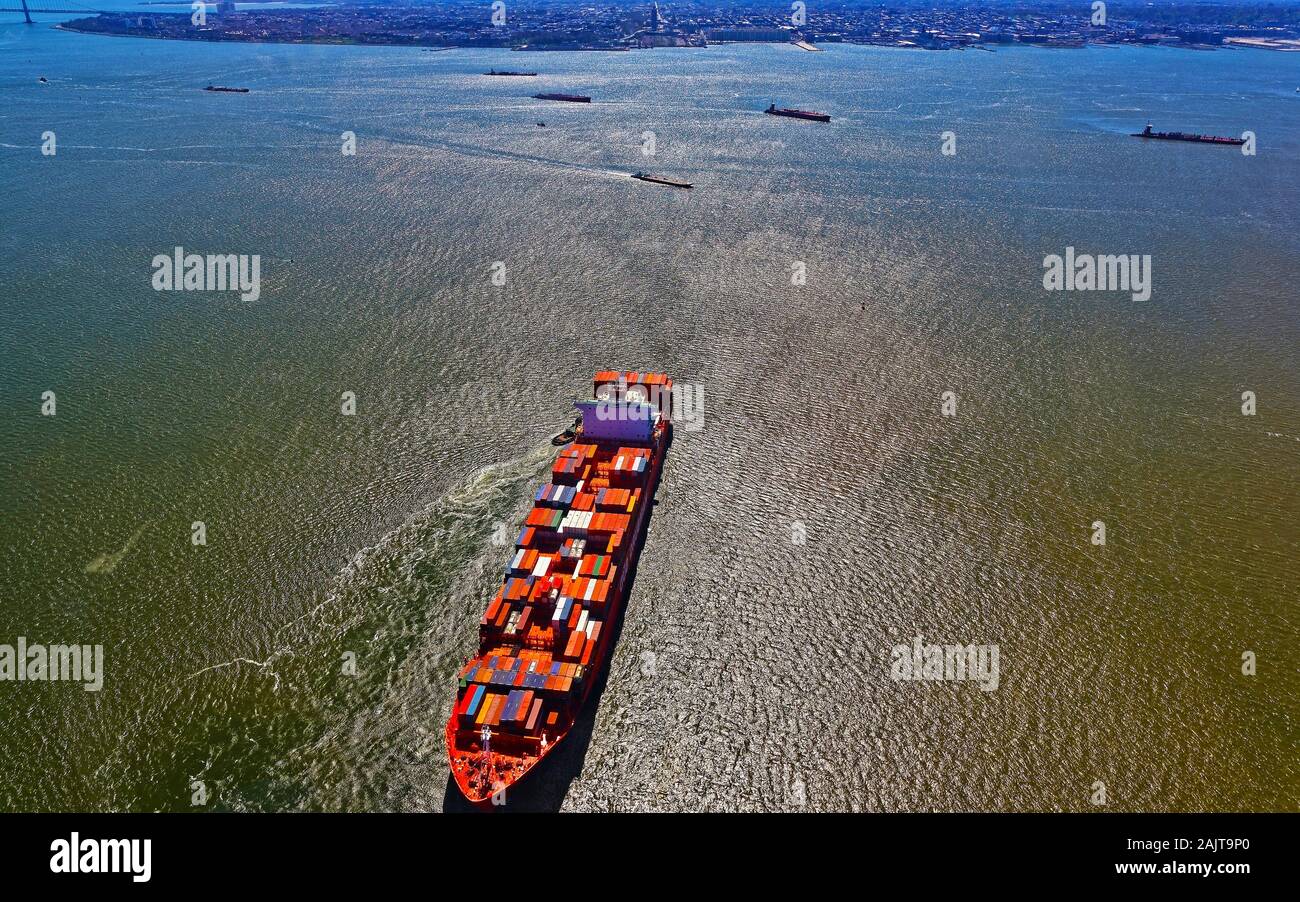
372 534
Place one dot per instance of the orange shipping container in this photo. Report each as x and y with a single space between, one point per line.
524 705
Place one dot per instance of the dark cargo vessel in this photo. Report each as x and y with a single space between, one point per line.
1185 136
568 98
772 110
661 180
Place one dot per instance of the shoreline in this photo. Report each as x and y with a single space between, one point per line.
323 41
328 41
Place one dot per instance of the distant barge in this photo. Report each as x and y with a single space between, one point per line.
1185 136
217 89
568 98
661 180
797 114
508 72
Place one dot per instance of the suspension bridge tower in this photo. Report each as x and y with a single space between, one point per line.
27 16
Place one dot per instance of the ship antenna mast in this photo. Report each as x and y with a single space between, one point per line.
487 746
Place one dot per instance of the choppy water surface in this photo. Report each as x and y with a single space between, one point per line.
751 671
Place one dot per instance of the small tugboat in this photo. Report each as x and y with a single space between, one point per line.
569 434
43 80
541 124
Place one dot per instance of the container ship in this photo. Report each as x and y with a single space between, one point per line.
549 629
772 110
1184 136
569 98
661 180
508 72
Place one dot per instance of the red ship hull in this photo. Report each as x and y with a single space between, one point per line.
520 696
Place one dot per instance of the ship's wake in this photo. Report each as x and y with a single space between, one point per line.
353 719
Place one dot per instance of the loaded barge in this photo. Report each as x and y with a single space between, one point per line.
568 98
661 180
549 629
1184 136
772 110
